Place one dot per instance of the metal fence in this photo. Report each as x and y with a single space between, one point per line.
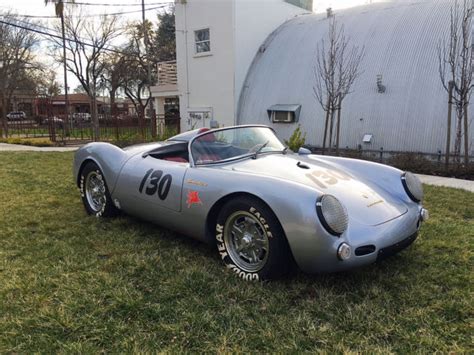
79 128
423 163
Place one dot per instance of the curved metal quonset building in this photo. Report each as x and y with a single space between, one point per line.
400 40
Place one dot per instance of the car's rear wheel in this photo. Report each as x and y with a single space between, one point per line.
95 193
251 241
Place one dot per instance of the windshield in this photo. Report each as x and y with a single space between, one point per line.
217 146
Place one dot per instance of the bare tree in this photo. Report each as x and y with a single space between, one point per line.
336 69
78 90
456 69
138 77
87 42
114 76
17 63
47 85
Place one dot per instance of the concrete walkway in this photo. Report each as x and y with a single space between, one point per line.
4 147
447 182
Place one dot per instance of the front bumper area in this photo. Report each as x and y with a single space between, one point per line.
368 244
386 252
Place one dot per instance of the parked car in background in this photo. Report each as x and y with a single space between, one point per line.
57 122
16 116
81 117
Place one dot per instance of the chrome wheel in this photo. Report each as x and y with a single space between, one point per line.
95 191
246 241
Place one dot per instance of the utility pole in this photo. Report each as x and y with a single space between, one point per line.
66 94
59 10
146 41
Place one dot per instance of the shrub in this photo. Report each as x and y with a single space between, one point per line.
168 133
35 142
297 139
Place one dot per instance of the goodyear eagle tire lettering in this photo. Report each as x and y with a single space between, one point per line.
250 240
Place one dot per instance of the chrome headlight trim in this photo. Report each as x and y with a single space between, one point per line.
413 186
344 251
332 214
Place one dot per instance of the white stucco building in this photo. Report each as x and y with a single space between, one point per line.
216 42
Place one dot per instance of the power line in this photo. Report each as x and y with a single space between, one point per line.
40 26
60 37
93 4
97 15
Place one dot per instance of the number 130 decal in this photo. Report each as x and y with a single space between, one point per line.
156 183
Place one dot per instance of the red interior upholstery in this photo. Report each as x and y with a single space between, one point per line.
202 130
208 137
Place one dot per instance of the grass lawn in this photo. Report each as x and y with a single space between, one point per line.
69 282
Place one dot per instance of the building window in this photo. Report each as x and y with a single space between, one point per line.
203 41
367 138
283 117
284 113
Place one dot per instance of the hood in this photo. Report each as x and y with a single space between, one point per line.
366 202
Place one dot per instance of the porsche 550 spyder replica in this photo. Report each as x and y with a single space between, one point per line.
261 204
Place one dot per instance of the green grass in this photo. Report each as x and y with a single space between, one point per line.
73 283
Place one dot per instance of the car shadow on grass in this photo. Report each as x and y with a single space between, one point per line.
380 274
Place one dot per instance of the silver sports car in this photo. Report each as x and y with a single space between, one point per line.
262 205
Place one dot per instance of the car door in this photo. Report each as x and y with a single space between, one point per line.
147 183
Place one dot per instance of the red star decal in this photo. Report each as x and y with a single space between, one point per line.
193 198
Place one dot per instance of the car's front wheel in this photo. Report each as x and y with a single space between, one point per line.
94 192
251 241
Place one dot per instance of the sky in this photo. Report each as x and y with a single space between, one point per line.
322 5
37 8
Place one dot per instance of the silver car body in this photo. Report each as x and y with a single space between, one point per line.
381 214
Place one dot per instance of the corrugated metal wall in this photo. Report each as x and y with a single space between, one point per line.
305 4
400 41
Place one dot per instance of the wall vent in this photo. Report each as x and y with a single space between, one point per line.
380 87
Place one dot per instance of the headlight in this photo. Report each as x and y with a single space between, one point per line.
413 186
332 214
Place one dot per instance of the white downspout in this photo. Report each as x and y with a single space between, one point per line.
187 61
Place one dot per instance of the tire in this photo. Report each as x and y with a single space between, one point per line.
95 193
251 241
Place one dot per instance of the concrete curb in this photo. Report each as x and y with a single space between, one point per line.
447 182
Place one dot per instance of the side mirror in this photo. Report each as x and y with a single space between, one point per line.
304 151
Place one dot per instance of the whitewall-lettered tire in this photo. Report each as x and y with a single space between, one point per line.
251 241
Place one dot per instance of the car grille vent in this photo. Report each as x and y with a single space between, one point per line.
395 248
365 250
